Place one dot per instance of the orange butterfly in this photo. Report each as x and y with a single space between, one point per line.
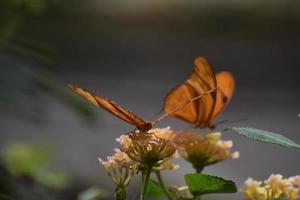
123 113
202 111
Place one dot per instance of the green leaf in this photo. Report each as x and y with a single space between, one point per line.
154 189
204 184
265 136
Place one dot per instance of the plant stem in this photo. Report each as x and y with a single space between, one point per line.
198 169
120 193
145 177
159 177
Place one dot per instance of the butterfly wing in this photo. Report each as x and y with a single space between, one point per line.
109 106
176 97
200 82
226 85
203 79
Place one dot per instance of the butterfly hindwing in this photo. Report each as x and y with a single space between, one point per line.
226 85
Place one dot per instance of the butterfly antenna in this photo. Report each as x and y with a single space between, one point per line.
157 114
130 132
222 122
232 121
188 128
182 106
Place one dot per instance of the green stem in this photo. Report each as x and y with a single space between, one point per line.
145 178
198 169
120 193
159 177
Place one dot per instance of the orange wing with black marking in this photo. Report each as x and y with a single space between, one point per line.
203 110
226 85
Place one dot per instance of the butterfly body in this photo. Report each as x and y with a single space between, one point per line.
201 112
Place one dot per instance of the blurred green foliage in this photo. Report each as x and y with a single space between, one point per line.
32 6
14 14
23 160
28 82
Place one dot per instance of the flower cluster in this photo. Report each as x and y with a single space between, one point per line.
119 167
153 148
275 188
202 151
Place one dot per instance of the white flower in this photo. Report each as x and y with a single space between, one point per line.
119 167
274 188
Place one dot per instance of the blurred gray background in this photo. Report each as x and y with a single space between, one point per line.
134 52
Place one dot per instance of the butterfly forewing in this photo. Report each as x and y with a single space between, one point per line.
182 93
109 106
203 79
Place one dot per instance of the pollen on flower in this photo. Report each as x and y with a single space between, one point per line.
275 187
202 151
119 167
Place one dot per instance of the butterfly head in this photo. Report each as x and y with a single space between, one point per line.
145 127
212 126
209 125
